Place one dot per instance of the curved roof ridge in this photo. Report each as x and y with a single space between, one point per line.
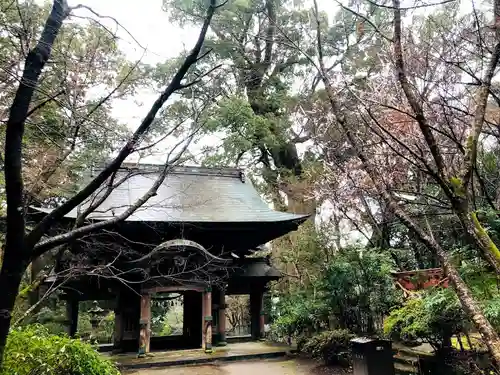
181 169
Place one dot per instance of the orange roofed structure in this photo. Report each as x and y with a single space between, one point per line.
411 281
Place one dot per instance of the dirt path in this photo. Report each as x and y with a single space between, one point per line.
270 367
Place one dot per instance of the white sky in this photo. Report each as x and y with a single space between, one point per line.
149 25
159 40
145 33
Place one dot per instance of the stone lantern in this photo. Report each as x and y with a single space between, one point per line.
96 313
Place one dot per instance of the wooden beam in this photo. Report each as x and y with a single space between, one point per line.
183 288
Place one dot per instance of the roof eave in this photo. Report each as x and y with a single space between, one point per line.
293 218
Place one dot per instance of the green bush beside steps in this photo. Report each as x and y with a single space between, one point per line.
333 347
32 350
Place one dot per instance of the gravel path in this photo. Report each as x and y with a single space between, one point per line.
270 367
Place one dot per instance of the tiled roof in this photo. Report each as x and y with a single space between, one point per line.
189 194
258 268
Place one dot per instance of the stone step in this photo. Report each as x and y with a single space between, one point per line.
413 352
175 358
405 358
405 369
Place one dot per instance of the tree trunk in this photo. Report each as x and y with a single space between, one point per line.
284 155
20 248
11 274
470 305
480 236
16 254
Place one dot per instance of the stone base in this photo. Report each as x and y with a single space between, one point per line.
233 352
141 353
208 348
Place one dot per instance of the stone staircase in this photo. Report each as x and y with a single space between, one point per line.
406 360
405 363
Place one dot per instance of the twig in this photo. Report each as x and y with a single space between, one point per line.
41 228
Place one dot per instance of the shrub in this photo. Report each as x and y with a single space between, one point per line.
353 291
434 318
358 288
332 346
299 314
33 351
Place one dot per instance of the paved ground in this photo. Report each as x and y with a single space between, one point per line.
233 350
263 367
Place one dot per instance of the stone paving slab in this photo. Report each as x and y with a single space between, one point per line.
282 366
231 352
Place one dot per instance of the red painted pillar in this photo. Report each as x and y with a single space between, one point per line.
144 324
222 318
206 335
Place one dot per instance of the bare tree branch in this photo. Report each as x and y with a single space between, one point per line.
34 236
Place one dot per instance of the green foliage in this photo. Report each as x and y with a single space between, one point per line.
33 351
52 316
53 319
249 101
246 129
353 290
309 249
167 315
299 313
331 346
166 329
102 334
474 271
492 310
434 317
358 288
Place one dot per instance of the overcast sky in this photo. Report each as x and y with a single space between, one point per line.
158 41
148 24
146 32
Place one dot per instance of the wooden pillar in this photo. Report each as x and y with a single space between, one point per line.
257 314
145 324
119 324
72 316
222 318
262 321
206 335
118 330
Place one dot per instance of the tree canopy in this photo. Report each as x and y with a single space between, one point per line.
380 119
